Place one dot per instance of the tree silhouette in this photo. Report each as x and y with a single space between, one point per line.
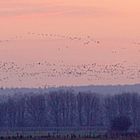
121 124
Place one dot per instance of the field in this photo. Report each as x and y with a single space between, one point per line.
39 138
130 136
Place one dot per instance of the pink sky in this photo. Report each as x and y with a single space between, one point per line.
97 17
114 23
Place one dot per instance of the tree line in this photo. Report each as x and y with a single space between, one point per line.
65 108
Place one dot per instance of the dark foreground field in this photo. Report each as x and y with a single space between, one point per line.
130 137
121 138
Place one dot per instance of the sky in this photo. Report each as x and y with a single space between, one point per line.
98 17
111 26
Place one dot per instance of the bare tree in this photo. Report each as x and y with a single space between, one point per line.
135 110
67 107
11 112
36 109
91 107
21 110
54 108
80 102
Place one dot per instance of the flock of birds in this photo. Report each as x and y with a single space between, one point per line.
44 70
44 36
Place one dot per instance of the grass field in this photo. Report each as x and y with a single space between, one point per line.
67 135
70 138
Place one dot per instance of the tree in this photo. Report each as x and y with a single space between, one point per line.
3 114
91 108
20 101
36 109
110 109
80 101
54 108
11 111
121 124
135 110
67 107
